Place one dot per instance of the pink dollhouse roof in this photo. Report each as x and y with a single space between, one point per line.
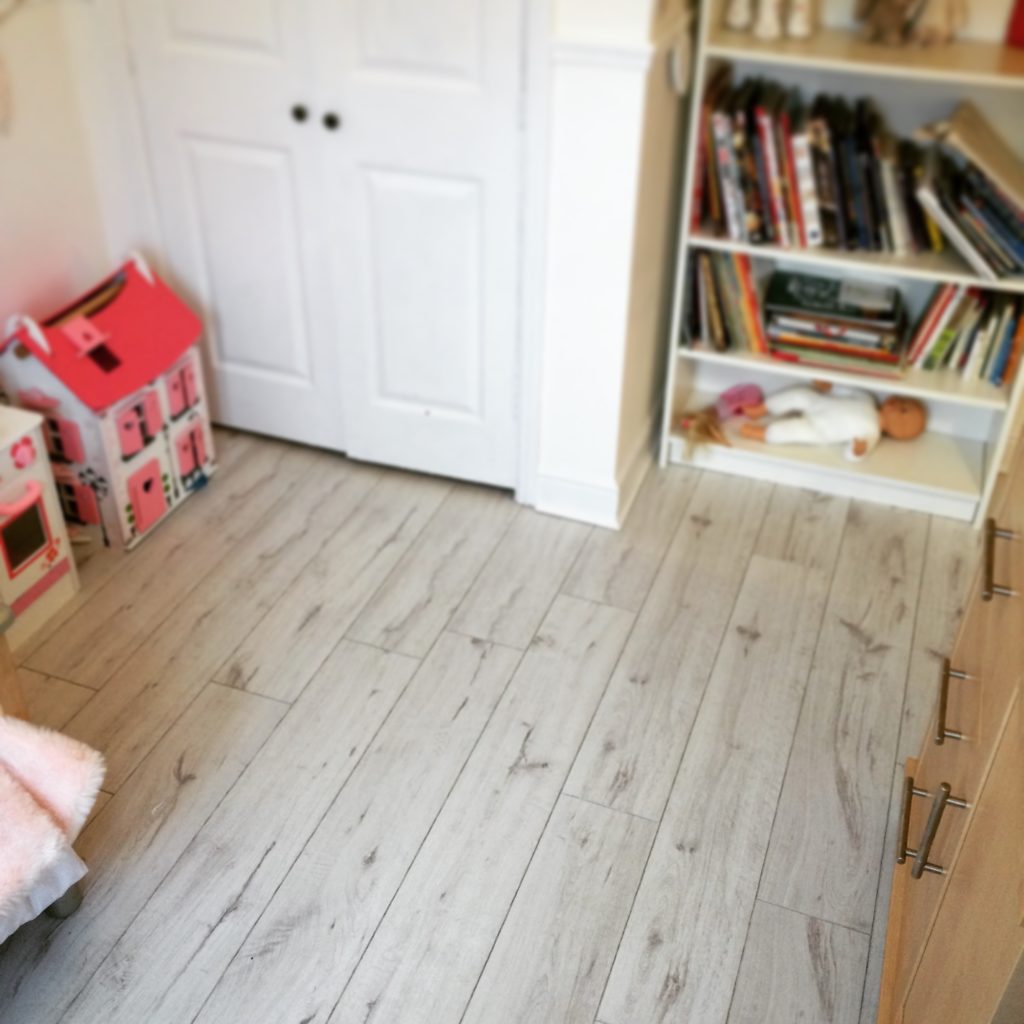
116 339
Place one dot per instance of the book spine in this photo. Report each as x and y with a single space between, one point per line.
794 214
997 339
949 228
1017 349
827 185
732 303
984 242
981 344
700 173
715 207
745 273
948 312
898 225
715 321
1003 357
780 218
758 197
937 304
806 191
703 333
728 177
877 197
856 196
1011 248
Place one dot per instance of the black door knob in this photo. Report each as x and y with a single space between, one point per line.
300 113
332 122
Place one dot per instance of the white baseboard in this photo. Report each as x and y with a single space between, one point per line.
594 501
588 502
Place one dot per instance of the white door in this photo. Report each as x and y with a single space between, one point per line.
424 172
360 264
239 187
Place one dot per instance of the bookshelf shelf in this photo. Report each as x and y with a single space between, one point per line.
964 63
950 470
938 267
937 473
926 385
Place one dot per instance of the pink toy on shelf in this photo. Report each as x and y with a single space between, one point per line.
118 380
737 399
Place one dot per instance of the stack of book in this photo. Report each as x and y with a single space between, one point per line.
977 334
724 310
973 187
844 325
773 169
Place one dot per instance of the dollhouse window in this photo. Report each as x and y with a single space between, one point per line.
182 391
104 358
79 502
64 440
139 424
191 446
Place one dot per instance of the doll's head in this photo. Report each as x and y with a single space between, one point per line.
903 419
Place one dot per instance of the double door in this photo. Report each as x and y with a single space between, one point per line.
338 187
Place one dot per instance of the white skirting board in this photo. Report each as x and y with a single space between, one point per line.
602 504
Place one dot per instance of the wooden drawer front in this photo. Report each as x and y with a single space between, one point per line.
1007 558
919 897
976 708
978 933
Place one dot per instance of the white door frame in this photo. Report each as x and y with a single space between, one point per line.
112 113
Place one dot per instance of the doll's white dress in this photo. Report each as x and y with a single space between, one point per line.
840 416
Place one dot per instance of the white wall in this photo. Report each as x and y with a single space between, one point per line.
652 277
51 238
612 129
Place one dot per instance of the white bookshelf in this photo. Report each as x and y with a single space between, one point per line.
951 470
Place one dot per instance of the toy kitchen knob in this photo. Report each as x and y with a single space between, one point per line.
332 122
300 113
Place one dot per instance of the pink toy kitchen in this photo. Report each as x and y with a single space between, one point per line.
38 571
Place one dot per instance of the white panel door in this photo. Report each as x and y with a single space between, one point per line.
424 183
239 186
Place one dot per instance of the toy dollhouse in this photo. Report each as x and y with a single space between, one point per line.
117 379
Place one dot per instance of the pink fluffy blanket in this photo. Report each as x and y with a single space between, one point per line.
48 785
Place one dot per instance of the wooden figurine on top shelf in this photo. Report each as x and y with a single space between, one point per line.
799 18
820 415
916 22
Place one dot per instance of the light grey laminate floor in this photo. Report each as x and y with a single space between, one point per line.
384 749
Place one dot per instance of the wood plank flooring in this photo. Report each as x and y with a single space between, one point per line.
385 749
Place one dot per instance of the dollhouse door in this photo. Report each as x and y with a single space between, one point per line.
339 187
237 166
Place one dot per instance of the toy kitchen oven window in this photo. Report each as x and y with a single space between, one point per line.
24 529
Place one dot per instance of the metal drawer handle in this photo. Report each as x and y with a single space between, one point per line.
941 732
990 588
921 863
903 851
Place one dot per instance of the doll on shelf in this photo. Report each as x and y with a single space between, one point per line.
820 414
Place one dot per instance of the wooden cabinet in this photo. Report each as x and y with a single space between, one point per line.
955 945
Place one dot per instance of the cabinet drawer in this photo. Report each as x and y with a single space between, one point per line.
915 901
978 933
1004 556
